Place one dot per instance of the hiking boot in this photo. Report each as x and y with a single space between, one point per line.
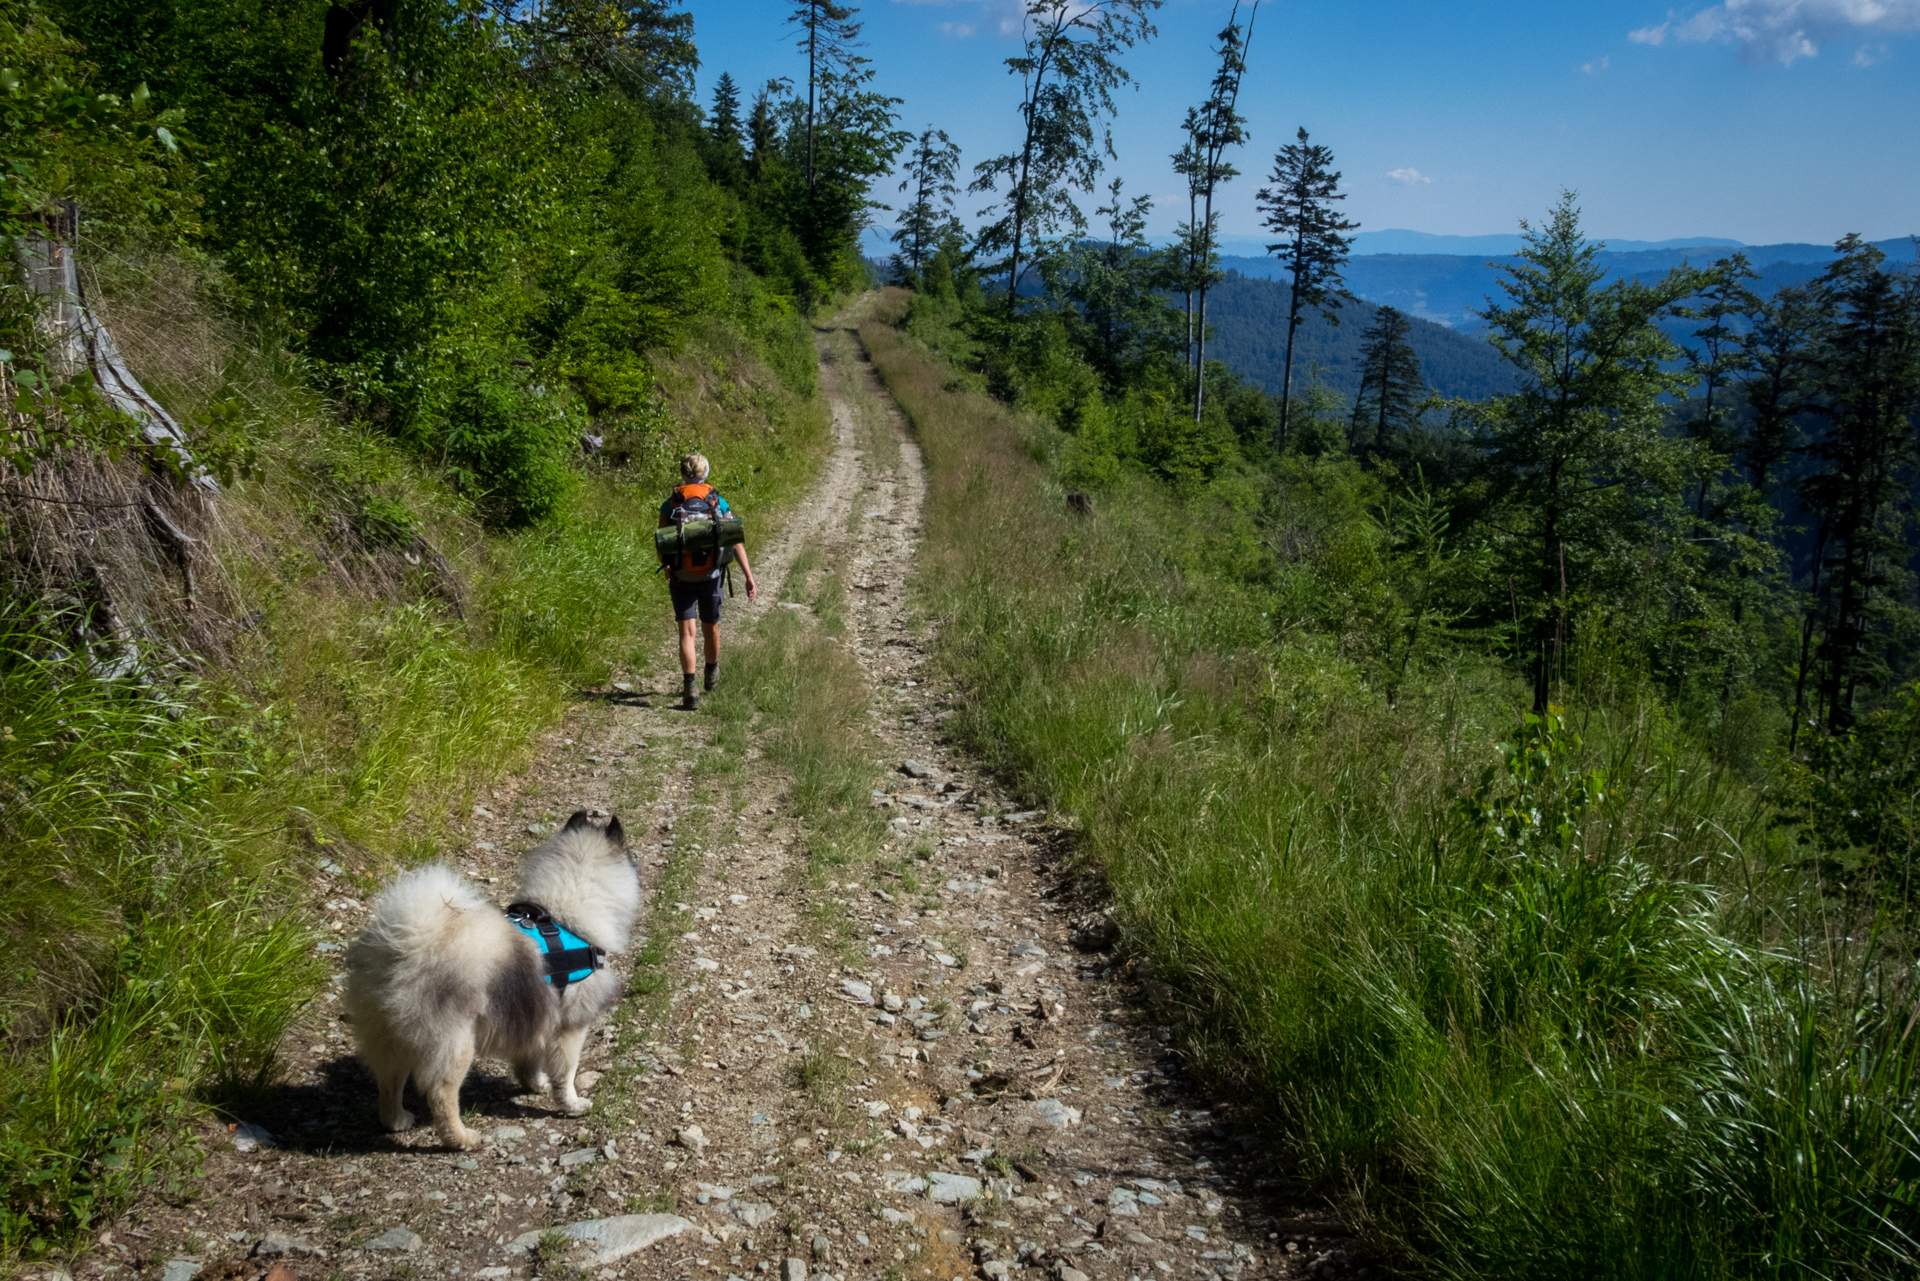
713 673
689 697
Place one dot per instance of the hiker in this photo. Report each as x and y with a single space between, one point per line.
695 580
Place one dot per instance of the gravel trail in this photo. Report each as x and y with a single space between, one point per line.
930 1078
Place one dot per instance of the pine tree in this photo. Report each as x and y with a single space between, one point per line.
1774 383
726 157
1390 383
828 36
1717 358
1579 456
763 132
1866 368
1299 206
1212 129
930 176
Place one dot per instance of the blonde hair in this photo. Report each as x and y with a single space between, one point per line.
693 467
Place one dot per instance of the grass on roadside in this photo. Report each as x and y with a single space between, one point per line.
1570 1008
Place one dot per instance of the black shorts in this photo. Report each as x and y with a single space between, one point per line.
702 597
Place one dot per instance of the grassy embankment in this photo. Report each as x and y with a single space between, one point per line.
1565 1008
156 842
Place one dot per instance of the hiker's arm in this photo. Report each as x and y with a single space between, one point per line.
740 554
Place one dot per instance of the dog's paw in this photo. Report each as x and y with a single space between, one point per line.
466 1140
535 1084
576 1106
402 1122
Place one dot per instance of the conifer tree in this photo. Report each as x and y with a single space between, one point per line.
1774 382
763 132
1211 129
726 157
1390 383
828 36
928 220
1717 358
1866 367
1299 207
1578 455
1069 67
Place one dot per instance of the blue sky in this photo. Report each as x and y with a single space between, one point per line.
1760 120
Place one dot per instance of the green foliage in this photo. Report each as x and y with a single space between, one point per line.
509 446
62 138
1574 1009
1855 792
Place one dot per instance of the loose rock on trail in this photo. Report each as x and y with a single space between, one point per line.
831 1079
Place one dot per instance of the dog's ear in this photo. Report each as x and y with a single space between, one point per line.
578 823
616 834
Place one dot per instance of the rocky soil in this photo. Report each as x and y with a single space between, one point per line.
865 1074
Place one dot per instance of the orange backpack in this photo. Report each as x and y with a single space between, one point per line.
686 504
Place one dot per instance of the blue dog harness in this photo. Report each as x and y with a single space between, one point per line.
569 958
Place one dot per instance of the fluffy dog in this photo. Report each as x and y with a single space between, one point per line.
441 975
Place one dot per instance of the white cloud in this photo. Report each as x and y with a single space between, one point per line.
960 29
1595 67
1785 30
1410 176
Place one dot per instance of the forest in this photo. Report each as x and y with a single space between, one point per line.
1499 748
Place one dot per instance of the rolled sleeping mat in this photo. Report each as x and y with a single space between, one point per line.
698 537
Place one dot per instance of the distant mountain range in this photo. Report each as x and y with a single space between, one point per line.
1439 281
1446 287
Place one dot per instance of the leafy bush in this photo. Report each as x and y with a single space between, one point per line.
509 447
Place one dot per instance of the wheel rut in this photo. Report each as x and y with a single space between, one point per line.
832 1073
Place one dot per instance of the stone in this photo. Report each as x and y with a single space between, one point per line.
901 1181
822 1250
1067 1273
856 991
275 1244
585 1080
893 1002
952 1189
1196 1232
613 1238
691 1137
584 1156
508 1133
1137 1237
248 1137
488 1274
914 769
793 1270
899 1218
1028 950
876 1108
996 1270
705 964
751 1214
396 1239
180 1270
1056 1114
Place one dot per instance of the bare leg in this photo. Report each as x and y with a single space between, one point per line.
712 631
443 1096
566 1059
687 626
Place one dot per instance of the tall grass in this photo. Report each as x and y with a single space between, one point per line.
1531 998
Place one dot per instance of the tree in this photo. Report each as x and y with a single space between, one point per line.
1774 381
1866 367
1390 382
726 155
1299 207
1578 456
763 131
930 176
1116 292
828 36
1210 131
1717 357
1069 67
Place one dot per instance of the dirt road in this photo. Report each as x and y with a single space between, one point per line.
941 1076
